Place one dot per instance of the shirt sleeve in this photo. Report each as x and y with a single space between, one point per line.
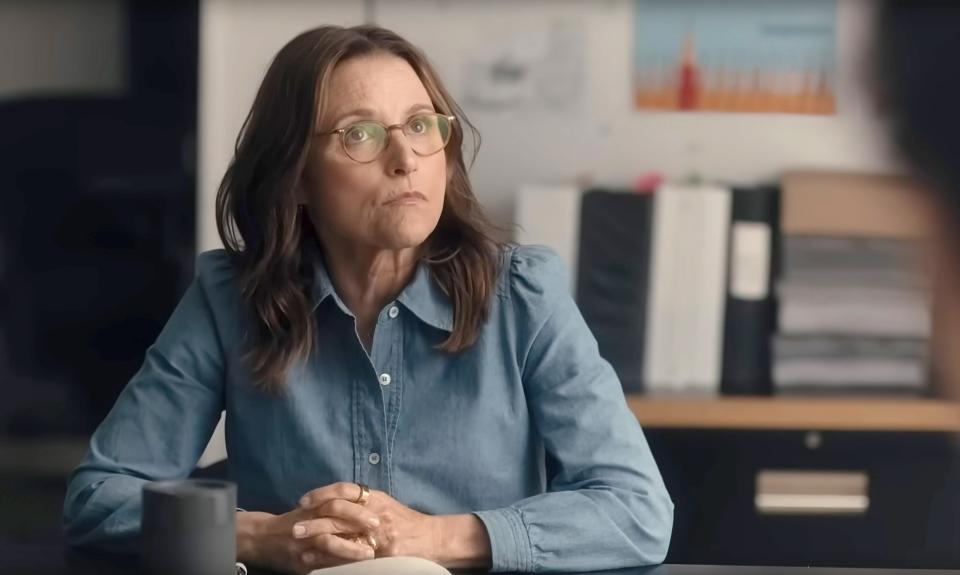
606 506
157 429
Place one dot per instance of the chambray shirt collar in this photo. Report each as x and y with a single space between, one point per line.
426 299
423 296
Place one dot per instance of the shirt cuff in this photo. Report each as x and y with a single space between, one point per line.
509 541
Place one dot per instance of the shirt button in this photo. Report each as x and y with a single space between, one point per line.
394 312
385 379
374 458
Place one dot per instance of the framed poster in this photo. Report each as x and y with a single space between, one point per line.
775 56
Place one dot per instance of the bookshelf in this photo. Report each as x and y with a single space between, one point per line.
798 414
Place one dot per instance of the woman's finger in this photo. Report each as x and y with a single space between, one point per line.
334 526
319 496
352 512
322 548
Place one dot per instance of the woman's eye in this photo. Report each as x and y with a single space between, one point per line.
357 135
418 126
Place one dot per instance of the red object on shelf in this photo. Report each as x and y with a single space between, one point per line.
647 183
689 76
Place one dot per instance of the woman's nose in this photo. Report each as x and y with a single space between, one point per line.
401 159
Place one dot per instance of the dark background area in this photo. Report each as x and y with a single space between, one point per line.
97 241
98 223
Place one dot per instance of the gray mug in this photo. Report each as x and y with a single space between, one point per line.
188 527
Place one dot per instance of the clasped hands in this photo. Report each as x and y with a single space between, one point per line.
346 522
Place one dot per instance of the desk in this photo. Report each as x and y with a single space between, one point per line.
798 414
737 570
51 558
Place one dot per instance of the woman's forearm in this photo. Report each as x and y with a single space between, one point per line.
247 525
464 542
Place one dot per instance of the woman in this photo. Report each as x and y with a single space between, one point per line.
362 328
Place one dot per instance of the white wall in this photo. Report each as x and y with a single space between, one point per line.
62 46
601 136
606 138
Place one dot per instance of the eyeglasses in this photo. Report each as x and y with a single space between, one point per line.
363 142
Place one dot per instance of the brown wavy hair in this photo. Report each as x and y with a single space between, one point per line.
264 231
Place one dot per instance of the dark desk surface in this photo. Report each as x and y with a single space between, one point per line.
738 570
51 558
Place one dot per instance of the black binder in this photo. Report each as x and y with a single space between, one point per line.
612 278
749 324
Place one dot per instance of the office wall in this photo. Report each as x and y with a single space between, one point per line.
598 135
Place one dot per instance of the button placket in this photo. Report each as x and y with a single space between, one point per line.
383 359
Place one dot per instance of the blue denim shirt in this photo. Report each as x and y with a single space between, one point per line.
528 429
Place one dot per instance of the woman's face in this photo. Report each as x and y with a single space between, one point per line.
394 201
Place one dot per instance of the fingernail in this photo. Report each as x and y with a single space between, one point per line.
369 553
308 557
299 530
373 522
304 502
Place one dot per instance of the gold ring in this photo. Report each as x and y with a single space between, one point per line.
372 541
364 495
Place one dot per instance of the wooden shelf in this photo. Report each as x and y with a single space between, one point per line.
847 414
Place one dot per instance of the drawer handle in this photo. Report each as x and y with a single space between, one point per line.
791 492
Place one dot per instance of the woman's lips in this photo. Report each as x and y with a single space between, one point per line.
405 199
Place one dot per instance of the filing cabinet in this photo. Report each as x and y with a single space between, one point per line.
831 498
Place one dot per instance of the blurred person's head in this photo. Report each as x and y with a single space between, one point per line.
918 42
345 123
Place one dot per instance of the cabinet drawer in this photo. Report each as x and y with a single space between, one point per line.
811 498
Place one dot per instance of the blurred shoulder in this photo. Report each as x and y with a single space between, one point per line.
216 270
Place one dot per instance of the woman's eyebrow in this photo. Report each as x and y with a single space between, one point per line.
369 112
419 108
